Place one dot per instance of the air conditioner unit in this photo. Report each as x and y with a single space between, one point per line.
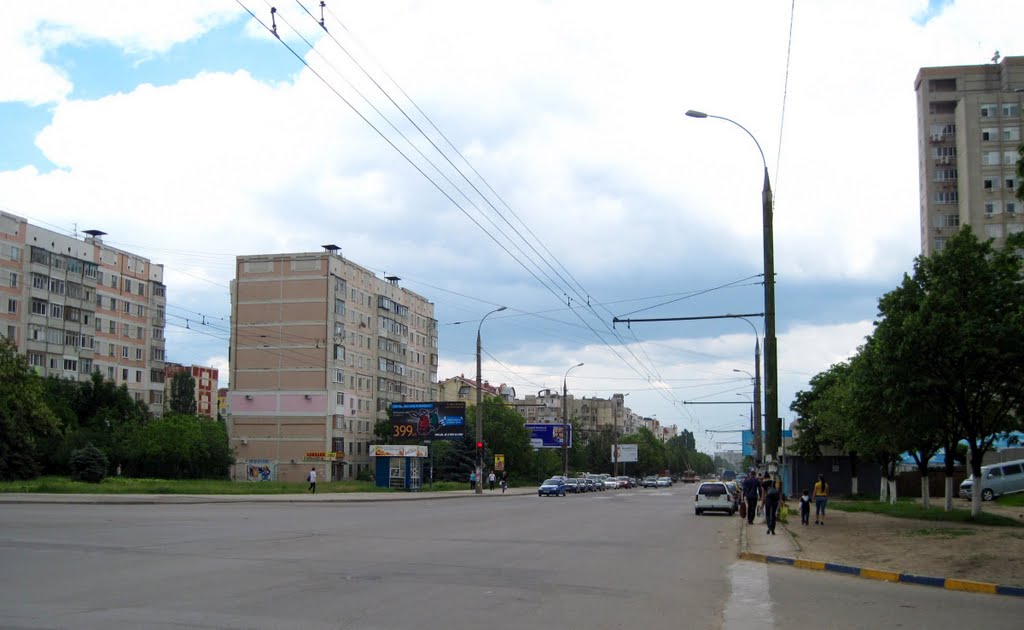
308 397
248 396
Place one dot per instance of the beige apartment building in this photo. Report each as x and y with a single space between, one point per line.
76 305
320 347
585 414
969 131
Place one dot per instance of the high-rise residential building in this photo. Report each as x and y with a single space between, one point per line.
969 131
75 306
320 347
205 386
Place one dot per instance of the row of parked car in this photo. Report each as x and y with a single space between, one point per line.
561 486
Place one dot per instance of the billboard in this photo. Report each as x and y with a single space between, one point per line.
626 453
428 420
548 435
399 450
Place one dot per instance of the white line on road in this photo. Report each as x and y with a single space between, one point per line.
750 604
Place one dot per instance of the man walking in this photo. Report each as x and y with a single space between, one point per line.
491 479
312 480
751 494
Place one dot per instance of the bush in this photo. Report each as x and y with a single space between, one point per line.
88 464
364 475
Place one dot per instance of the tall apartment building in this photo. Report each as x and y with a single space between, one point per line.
320 347
585 414
74 306
207 402
969 131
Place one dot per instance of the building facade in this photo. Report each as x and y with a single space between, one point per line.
969 131
205 390
320 347
75 306
464 389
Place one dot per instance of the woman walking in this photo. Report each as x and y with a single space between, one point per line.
820 496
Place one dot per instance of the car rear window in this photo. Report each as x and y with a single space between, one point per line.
712 489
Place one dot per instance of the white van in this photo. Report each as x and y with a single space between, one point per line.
997 479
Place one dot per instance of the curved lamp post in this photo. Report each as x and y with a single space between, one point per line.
479 409
565 420
771 393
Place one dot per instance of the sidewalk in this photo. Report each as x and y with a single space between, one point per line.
955 556
185 499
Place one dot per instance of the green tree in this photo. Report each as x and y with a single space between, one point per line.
183 393
963 332
179 446
25 418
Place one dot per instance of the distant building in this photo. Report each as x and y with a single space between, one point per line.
585 414
74 306
206 386
969 129
462 388
320 347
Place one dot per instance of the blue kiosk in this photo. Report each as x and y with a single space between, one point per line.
399 466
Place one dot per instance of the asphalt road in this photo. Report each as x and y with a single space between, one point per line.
625 559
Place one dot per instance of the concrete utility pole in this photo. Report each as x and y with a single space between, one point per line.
565 420
479 408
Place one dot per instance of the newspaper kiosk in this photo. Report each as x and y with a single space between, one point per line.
399 466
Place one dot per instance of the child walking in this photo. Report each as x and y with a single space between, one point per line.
805 507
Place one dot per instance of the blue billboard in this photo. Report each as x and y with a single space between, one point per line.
548 435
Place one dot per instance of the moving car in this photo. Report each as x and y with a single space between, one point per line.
650 482
996 480
713 495
690 476
552 488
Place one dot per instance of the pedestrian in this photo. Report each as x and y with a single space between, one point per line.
504 483
311 478
751 493
490 480
771 503
805 507
820 496
472 480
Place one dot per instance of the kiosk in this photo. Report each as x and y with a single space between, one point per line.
399 466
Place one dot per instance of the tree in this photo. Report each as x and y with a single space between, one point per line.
25 419
88 464
183 393
961 330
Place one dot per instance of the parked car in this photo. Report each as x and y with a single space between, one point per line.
588 485
996 480
598 481
625 482
664 482
650 482
734 490
551 488
713 495
611 483
574 486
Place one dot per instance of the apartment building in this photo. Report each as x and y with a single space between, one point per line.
205 387
969 130
74 306
585 414
461 388
320 347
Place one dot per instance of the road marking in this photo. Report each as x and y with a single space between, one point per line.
749 605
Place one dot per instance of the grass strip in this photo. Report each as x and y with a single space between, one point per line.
910 509
125 485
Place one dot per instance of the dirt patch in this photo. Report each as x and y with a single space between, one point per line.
947 550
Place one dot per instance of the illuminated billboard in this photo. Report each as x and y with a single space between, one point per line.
548 435
428 420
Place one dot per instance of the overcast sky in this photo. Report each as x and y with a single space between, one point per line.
190 134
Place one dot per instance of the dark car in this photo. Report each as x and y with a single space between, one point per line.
588 485
551 488
574 486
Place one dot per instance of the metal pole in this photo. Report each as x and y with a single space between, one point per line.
773 430
565 420
479 408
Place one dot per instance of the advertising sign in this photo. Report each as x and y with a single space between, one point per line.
624 453
323 456
499 462
260 470
399 450
548 435
428 420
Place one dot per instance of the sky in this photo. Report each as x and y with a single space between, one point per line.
527 154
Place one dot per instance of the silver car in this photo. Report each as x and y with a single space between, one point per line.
996 480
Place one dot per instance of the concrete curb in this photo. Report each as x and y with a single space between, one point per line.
950 584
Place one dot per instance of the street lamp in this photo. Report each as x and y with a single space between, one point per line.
565 420
771 367
479 409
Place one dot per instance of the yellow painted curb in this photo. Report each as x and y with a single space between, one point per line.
756 557
884 576
971 586
808 564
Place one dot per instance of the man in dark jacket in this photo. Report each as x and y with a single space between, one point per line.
751 494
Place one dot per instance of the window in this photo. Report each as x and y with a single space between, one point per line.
12 305
85 366
340 398
1010 157
36 360
989 184
56 286
127 285
940 243
112 327
1011 109
142 288
339 352
1012 469
994 230
127 306
993 207
157 333
140 310
71 338
988 110
113 281
339 376
113 304
1011 207
124 374
124 355
73 314
57 311
158 354
110 372
138 376
126 330
70 365
40 256
339 307
1009 183
158 290
111 349
1011 134
74 290
946 196
138 332
15 253
990 158
989 134
138 354
39 281
90 270
14 279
